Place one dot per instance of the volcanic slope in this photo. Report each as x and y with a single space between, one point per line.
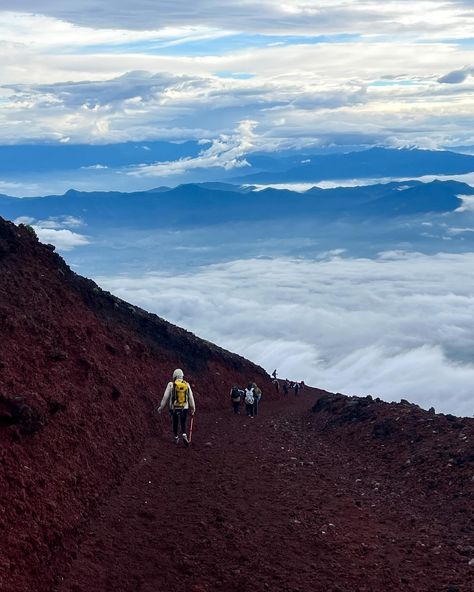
80 374
319 492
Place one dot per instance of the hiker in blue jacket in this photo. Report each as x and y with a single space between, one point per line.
179 398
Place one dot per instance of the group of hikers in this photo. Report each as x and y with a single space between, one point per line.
250 396
178 398
287 385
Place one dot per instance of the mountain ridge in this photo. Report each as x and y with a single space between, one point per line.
200 204
374 162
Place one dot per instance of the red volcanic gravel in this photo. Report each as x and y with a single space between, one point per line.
285 502
319 492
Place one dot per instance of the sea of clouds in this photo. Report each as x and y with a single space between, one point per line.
398 326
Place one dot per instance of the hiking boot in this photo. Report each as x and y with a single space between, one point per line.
185 440
176 439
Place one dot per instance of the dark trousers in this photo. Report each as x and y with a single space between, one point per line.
249 409
236 406
179 416
255 406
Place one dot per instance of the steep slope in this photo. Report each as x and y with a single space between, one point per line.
80 374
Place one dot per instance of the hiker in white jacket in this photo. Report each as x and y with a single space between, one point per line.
178 396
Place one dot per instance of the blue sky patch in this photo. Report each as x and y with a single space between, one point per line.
392 83
222 43
235 75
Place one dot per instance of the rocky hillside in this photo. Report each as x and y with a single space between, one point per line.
80 375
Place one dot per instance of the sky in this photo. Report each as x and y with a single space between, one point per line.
258 75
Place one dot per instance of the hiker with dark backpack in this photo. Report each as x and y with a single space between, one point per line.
235 397
179 398
249 399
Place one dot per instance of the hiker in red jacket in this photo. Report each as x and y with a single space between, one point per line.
179 397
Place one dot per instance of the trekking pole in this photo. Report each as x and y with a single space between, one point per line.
191 428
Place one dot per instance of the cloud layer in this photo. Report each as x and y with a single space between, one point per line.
400 326
57 231
305 16
305 72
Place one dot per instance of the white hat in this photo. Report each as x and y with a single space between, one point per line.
178 373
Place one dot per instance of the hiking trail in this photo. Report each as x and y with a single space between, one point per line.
269 503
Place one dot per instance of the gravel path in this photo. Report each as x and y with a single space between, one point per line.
271 503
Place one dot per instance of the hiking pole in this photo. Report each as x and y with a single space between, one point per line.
191 428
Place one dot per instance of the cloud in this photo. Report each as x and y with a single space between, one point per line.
456 76
51 230
314 71
63 239
400 326
227 153
305 16
141 105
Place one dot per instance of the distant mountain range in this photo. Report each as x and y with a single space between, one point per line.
18 162
216 203
376 162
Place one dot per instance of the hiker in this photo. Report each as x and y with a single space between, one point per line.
274 374
286 384
296 388
235 396
257 395
249 400
277 386
179 398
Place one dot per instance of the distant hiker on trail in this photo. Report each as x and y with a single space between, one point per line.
274 374
257 395
235 397
277 386
296 388
286 386
179 397
249 400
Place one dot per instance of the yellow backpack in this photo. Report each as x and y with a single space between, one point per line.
179 396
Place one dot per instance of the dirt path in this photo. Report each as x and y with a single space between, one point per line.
262 504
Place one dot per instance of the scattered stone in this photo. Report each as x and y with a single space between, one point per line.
58 356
